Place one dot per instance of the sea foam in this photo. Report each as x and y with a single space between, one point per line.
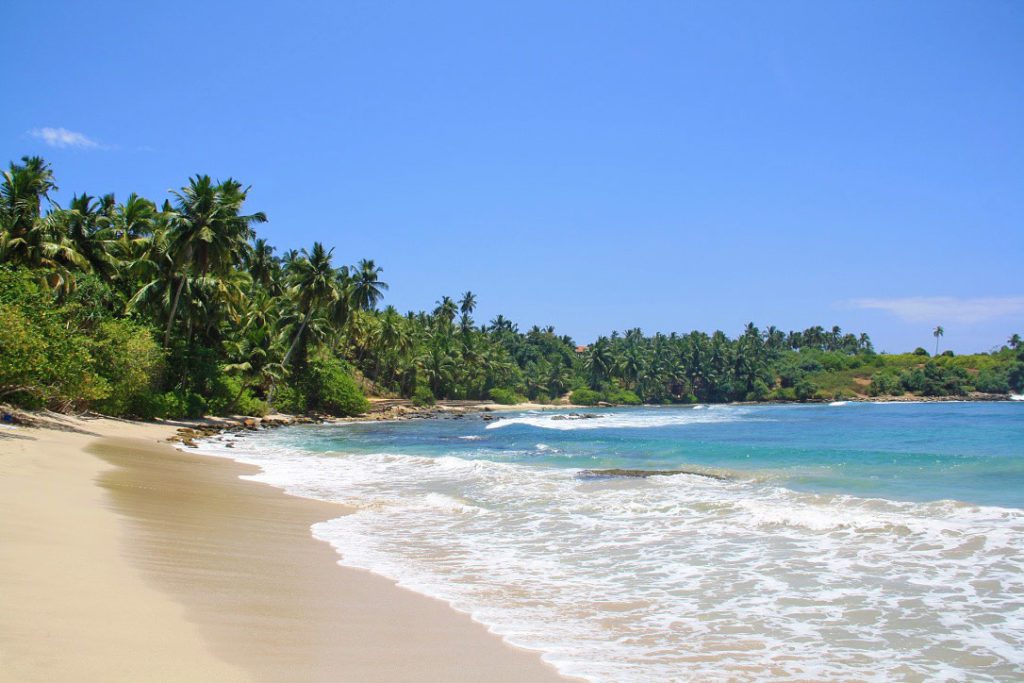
620 420
677 578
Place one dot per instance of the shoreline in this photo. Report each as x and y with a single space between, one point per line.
135 560
404 411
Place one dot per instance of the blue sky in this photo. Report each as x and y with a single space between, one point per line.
591 165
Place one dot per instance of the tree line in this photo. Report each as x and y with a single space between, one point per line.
179 308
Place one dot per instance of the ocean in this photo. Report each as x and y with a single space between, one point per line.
806 542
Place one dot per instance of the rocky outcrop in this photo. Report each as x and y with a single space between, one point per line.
188 435
643 474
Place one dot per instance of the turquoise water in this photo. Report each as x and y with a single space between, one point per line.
970 452
838 542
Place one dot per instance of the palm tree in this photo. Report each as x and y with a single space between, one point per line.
864 343
289 257
834 337
87 224
206 232
28 237
314 288
24 187
632 365
438 368
45 247
467 304
133 219
252 350
1014 341
131 225
937 332
500 323
600 362
129 234
445 311
216 301
262 265
367 288
391 338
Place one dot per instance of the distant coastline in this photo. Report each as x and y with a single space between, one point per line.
179 309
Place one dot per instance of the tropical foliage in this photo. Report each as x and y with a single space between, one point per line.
181 309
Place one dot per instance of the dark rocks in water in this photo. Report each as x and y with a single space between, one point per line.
201 430
575 416
643 474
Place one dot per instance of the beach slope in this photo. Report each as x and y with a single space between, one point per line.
125 559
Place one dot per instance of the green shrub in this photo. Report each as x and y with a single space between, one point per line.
586 397
180 403
759 392
230 398
783 394
193 368
789 375
505 396
920 352
147 406
250 405
809 363
323 384
913 380
22 355
623 397
589 397
885 383
937 380
129 359
1015 376
422 396
331 389
44 359
289 399
804 390
993 380
835 361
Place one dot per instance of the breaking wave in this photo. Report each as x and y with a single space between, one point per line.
680 577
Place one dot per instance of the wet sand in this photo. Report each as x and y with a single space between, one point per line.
122 558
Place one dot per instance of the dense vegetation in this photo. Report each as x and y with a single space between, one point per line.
179 310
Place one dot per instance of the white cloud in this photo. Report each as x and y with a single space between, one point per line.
946 309
62 137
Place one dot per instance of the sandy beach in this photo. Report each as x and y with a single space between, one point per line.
122 558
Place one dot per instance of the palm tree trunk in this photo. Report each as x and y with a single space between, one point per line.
284 363
242 387
298 336
174 309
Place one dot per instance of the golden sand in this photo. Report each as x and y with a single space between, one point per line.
122 558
